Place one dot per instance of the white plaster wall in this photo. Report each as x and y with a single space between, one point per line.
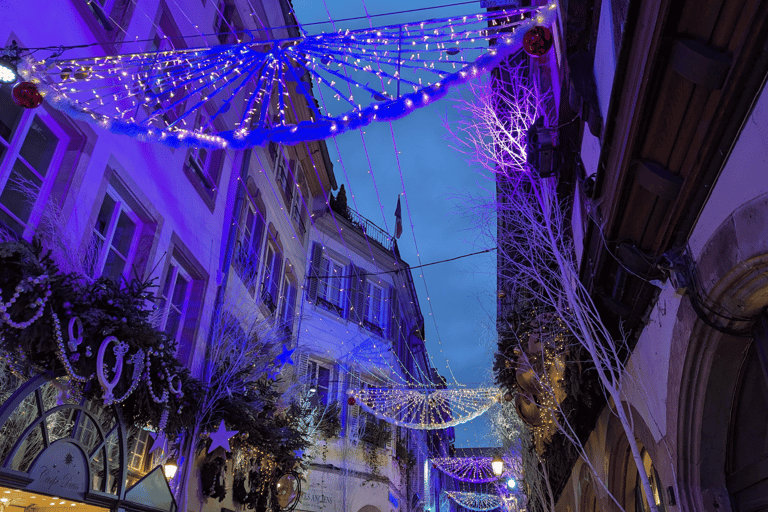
744 177
647 374
605 60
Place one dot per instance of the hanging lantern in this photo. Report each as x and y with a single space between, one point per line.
27 95
537 41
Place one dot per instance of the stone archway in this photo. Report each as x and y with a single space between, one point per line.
734 270
369 508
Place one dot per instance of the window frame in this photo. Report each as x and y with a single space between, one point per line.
253 257
313 379
287 303
272 277
176 268
119 207
379 324
327 261
12 153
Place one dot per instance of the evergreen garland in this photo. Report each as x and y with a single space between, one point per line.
107 308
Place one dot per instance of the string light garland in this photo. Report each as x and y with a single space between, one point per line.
425 409
479 502
246 94
475 470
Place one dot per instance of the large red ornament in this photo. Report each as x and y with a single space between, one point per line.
27 95
351 400
537 41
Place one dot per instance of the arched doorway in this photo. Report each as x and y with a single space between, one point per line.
747 453
369 508
721 410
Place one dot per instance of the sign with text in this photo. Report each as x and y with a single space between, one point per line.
61 470
321 498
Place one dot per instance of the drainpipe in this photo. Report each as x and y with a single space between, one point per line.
231 228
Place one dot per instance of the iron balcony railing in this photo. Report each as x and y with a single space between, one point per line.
368 228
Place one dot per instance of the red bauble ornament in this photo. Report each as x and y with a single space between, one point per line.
537 41
351 400
27 95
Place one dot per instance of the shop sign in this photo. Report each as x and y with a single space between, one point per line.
320 499
61 470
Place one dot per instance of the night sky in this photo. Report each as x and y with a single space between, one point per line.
437 181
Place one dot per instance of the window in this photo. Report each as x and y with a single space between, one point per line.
174 300
299 216
374 308
331 283
115 238
288 306
31 148
374 431
319 377
248 248
166 36
284 179
272 271
205 163
227 22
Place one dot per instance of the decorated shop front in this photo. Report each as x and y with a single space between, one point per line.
58 451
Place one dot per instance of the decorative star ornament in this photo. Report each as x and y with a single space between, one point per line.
159 441
285 357
221 438
274 373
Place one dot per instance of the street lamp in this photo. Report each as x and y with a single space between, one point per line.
497 464
511 483
170 467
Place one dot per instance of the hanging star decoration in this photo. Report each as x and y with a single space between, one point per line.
425 409
220 438
285 356
249 93
159 441
479 502
466 469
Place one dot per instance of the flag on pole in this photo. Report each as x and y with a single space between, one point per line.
398 219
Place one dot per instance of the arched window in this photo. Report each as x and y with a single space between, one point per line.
635 498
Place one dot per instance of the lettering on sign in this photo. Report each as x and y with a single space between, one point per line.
61 470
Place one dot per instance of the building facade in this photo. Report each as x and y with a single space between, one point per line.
668 224
361 326
227 236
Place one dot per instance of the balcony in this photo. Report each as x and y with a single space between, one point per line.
369 229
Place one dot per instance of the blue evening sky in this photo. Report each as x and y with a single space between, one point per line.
436 180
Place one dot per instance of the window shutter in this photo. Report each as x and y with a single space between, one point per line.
357 295
301 368
314 273
394 315
353 411
333 388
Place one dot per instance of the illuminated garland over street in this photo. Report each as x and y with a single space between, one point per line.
246 94
424 409
476 470
475 500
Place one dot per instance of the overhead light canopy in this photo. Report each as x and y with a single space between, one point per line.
497 464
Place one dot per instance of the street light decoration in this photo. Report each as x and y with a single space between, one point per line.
425 409
498 465
478 502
